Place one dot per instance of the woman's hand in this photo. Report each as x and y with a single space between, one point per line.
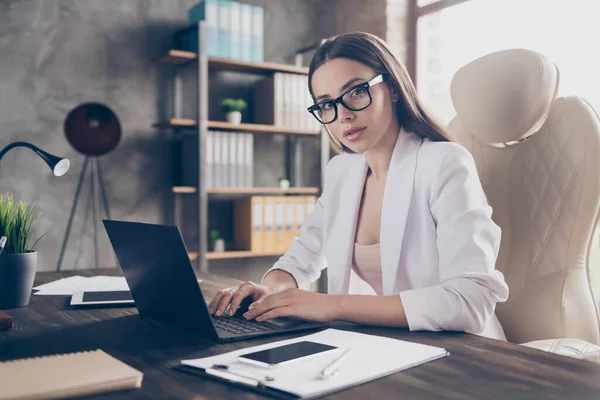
234 296
295 303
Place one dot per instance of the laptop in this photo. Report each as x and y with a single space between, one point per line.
164 287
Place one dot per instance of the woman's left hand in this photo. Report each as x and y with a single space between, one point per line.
295 303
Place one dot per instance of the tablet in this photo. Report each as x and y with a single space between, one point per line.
284 354
109 297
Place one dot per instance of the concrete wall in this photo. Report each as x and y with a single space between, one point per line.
57 54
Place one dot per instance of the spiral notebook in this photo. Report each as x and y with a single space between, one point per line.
66 375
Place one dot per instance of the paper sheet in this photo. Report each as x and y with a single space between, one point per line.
67 286
382 355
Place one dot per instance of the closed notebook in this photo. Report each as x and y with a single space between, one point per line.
66 375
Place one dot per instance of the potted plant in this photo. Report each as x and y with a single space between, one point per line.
18 262
233 109
284 183
217 242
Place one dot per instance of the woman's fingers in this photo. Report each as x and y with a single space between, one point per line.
268 304
214 303
247 289
225 300
277 312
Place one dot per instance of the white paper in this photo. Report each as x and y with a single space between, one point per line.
99 283
382 355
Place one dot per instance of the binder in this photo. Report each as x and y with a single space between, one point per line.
246 42
249 160
235 19
209 155
279 224
257 34
224 28
217 160
240 159
300 214
233 160
225 163
204 10
249 226
290 221
269 223
66 375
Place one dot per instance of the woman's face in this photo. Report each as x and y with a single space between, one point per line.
357 130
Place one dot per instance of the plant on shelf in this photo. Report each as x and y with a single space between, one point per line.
233 109
284 183
18 262
218 243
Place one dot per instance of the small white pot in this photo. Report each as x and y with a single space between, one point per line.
219 246
284 184
234 117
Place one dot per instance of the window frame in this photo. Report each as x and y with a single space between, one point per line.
416 12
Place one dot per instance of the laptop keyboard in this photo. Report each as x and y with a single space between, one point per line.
240 325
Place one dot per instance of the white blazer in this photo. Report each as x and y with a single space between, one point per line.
438 242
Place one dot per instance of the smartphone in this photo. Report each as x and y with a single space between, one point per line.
284 354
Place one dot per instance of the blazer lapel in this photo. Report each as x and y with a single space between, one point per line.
340 245
396 202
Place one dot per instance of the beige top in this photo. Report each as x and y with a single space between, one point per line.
366 262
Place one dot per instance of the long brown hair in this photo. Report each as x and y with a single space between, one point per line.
373 52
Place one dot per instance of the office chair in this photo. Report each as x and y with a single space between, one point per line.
538 157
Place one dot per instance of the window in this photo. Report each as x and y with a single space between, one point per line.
564 30
567 31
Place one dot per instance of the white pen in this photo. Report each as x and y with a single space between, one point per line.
332 368
2 243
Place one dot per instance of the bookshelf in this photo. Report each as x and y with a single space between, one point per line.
183 123
179 61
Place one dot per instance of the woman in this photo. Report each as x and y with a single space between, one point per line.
402 207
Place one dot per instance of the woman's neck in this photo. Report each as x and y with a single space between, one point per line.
380 155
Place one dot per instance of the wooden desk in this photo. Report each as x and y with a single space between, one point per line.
478 368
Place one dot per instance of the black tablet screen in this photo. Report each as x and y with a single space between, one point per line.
107 296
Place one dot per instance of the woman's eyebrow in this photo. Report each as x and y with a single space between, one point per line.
344 87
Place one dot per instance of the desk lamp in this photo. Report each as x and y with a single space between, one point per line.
59 166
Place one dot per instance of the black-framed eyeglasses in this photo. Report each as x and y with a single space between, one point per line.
354 99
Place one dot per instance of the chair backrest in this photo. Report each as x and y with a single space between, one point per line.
538 157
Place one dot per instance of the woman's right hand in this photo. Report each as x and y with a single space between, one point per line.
234 296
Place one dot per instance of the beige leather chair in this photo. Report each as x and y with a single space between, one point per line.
538 157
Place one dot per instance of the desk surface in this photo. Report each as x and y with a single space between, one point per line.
478 368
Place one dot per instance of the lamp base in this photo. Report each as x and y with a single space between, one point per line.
97 189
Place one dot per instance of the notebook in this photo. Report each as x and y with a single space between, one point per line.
66 375
301 378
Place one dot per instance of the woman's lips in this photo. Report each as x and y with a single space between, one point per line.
354 133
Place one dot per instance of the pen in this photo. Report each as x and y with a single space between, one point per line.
2 243
244 375
332 368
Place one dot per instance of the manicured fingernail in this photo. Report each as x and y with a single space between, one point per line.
259 318
218 313
247 315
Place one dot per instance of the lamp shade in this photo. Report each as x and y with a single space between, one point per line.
92 129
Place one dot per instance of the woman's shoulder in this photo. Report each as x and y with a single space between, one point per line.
444 154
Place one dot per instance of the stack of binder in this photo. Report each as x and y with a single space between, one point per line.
283 100
268 224
233 30
229 159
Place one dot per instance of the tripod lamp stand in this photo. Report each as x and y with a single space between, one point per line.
93 130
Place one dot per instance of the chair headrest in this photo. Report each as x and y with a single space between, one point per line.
505 96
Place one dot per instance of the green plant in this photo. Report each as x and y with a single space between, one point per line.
17 222
229 105
214 236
